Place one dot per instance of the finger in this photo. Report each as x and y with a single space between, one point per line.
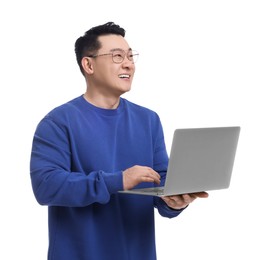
170 202
188 198
149 179
202 194
175 202
153 173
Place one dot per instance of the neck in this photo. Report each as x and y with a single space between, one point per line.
102 101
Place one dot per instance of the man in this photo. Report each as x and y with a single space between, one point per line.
88 149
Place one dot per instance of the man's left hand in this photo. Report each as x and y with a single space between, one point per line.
178 202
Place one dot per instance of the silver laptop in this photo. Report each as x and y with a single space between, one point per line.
201 159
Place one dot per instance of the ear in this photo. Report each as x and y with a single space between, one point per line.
87 65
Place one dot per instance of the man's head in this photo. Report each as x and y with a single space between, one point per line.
106 60
89 43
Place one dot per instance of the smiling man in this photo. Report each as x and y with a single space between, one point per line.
95 145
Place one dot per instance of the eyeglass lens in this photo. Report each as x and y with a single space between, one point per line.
119 55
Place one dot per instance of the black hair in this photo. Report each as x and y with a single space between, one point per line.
89 44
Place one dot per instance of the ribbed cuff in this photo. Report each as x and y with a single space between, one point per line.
113 181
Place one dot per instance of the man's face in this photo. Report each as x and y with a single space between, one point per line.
109 77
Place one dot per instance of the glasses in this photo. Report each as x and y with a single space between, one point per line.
119 55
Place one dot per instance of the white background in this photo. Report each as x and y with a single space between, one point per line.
202 63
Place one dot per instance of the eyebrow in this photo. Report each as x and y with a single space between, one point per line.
119 49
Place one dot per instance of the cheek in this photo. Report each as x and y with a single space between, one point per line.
108 74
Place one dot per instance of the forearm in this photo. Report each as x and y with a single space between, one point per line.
74 189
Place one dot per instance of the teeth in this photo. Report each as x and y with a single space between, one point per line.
124 76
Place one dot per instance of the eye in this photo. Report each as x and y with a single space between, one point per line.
118 56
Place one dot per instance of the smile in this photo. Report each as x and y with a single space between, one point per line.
124 76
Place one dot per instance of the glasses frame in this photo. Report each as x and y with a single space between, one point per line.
130 54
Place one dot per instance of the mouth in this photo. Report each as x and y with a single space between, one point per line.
124 76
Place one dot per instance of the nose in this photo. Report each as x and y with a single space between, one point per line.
128 63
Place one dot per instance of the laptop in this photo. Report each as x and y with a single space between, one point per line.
201 159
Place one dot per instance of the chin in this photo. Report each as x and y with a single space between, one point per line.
124 90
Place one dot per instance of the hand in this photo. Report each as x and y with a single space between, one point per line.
137 174
181 201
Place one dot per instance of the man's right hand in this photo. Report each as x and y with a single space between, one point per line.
137 174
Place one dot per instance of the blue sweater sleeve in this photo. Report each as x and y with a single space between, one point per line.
54 183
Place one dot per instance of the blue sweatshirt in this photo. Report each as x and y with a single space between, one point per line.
78 154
